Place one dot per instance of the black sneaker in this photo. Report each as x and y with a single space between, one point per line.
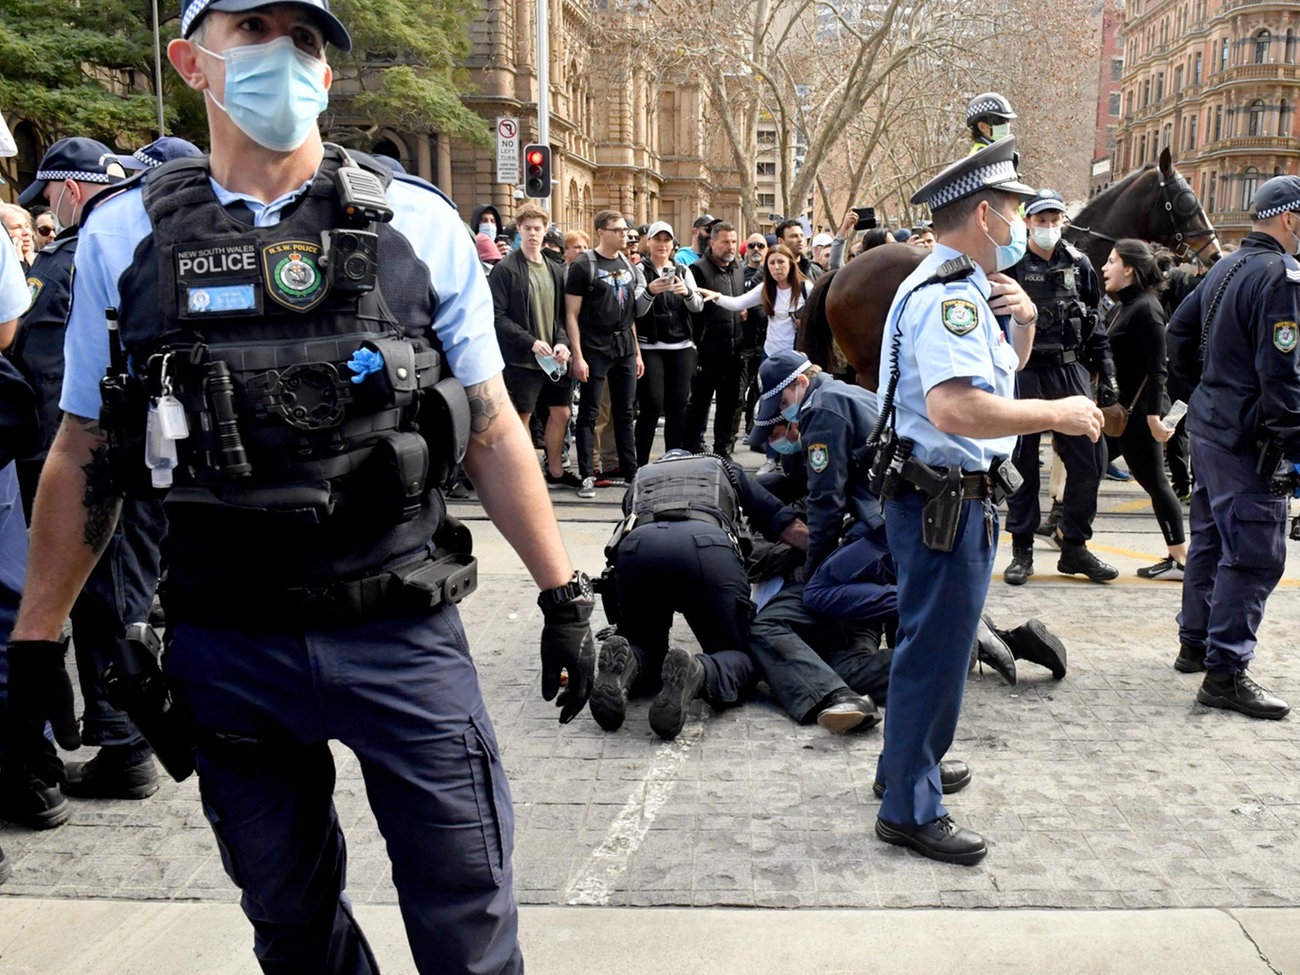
34 804
1167 568
614 679
1021 567
941 839
1190 659
683 682
105 777
1077 560
1239 692
567 479
953 777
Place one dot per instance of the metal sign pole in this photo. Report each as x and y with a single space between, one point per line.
543 74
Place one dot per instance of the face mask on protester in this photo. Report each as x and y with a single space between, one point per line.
274 92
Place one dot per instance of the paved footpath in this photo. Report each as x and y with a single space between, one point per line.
1130 829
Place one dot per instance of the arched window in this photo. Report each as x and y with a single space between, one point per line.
1249 184
1255 123
1263 41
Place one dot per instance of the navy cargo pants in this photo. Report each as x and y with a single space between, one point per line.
403 695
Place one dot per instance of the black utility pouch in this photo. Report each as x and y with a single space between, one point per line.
401 471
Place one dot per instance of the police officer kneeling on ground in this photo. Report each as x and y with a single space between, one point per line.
682 549
1068 342
1234 339
284 309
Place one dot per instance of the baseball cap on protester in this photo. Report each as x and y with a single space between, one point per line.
660 227
159 151
708 220
78 158
333 29
774 375
1277 195
823 240
1044 200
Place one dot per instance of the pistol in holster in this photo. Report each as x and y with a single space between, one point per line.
135 683
942 509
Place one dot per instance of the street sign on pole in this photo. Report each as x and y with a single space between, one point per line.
507 150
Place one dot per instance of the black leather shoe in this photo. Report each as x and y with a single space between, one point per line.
990 649
1033 641
106 777
1238 692
843 710
683 682
1021 567
1190 659
614 679
33 804
1077 560
953 777
941 839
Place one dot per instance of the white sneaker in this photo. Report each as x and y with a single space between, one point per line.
588 489
1167 568
767 467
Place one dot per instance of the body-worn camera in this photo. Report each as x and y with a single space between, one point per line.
1006 476
349 257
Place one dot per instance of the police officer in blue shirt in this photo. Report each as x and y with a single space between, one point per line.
1234 340
286 308
954 338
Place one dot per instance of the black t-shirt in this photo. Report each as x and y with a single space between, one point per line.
609 308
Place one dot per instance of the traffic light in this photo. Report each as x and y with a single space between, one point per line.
537 172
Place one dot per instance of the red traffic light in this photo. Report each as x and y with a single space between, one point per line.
535 157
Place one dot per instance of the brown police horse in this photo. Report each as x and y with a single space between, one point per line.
851 303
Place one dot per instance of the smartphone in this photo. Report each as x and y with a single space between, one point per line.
866 218
775 218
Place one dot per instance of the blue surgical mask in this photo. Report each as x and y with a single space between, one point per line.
784 446
791 412
1009 255
551 366
274 92
1000 131
488 230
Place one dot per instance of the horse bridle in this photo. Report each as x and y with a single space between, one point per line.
1182 248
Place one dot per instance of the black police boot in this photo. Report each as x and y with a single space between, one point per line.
1190 659
941 839
30 802
842 710
1238 692
953 777
1033 641
1022 563
614 679
5 869
115 773
1077 560
989 648
683 682
1047 530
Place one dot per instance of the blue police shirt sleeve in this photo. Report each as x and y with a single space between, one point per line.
464 321
949 336
105 247
14 295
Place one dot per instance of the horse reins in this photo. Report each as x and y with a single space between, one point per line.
1182 250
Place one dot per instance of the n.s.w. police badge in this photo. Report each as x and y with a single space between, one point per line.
34 286
292 272
818 457
959 316
1284 336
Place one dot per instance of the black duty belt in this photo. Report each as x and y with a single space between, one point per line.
1043 359
416 587
974 487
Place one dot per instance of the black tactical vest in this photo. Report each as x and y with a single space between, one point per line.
38 345
293 475
683 488
1054 287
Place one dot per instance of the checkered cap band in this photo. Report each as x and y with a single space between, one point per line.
972 182
192 12
145 158
776 390
59 175
1273 211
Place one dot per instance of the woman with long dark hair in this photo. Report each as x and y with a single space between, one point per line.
782 293
1136 326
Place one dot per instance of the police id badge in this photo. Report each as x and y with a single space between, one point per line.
217 279
1284 336
293 275
959 316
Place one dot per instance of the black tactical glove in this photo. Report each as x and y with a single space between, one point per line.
40 690
1107 384
567 645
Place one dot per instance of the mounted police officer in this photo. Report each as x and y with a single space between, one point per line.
682 549
988 116
954 338
1234 339
1068 342
286 311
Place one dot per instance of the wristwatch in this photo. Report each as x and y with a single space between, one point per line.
579 587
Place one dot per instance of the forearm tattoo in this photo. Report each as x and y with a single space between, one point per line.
484 404
99 499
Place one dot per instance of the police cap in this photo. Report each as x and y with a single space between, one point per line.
991 168
80 159
159 151
333 29
1277 195
1044 200
774 375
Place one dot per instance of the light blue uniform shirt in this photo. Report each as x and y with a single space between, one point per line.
948 332
15 296
463 323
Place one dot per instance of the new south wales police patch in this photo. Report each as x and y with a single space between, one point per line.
292 272
34 286
959 316
818 457
1284 336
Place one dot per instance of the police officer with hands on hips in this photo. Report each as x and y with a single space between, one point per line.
956 334
1234 340
1069 340
305 408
